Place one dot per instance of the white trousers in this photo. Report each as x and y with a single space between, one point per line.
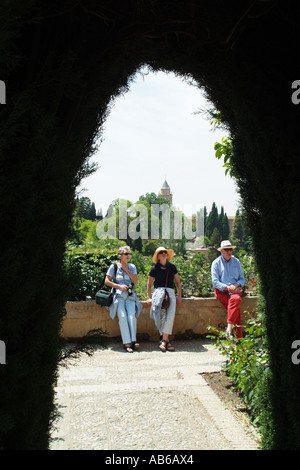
167 316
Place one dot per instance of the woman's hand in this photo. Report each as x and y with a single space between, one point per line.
178 300
123 287
149 301
132 277
124 266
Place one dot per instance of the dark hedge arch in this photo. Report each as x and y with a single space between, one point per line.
62 63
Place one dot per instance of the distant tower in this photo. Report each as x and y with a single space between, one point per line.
166 192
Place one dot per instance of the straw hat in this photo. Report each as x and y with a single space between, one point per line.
170 253
226 244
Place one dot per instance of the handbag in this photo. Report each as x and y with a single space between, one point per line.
105 297
166 301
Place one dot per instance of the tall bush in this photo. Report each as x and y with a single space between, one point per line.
85 271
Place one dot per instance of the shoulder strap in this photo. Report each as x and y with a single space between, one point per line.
167 277
114 277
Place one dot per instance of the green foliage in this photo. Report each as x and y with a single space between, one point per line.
240 233
247 365
152 198
85 209
224 149
195 276
216 226
216 238
85 272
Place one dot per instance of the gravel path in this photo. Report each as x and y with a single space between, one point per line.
147 400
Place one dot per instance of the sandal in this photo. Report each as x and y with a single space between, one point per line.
135 345
163 345
170 347
128 349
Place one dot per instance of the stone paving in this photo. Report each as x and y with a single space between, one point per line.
147 400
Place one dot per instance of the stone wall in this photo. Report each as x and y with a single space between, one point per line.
192 318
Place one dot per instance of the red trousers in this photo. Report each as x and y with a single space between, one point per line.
232 304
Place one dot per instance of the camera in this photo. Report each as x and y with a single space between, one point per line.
130 289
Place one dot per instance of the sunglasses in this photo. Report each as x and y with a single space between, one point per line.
126 254
227 249
161 252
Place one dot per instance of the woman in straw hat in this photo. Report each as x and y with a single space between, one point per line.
163 273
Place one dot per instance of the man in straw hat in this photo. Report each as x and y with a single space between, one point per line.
228 281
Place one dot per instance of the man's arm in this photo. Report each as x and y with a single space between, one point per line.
241 279
215 276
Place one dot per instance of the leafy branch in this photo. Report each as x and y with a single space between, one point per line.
224 149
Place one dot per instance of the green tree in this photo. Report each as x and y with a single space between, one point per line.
92 212
153 198
223 225
211 221
216 238
225 228
240 233
85 209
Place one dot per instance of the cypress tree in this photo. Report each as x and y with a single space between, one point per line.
92 212
225 227
212 221
220 220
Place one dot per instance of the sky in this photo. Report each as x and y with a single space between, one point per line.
152 134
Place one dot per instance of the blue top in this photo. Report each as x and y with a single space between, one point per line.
225 272
121 276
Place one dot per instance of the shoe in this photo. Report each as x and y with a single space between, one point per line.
166 346
128 349
163 346
135 345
